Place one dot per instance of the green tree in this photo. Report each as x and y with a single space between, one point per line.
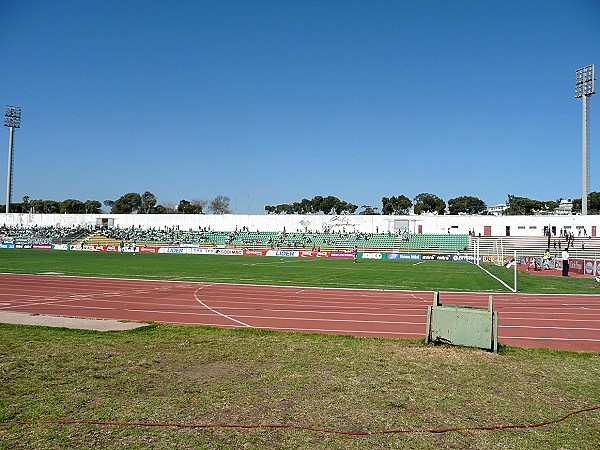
50 206
26 206
305 206
110 204
92 207
186 207
368 210
317 205
593 202
551 205
37 206
429 203
328 204
284 208
396 205
343 207
128 204
523 206
16 208
72 206
148 203
466 204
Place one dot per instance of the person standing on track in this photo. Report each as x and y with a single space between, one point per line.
565 263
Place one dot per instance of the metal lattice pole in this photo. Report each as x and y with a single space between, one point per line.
12 120
584 88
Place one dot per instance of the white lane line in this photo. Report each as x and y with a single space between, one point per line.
214 310
529 338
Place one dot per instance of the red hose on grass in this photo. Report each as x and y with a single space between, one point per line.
295 427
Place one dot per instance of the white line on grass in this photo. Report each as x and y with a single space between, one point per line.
496 278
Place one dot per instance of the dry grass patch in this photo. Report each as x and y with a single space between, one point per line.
204 375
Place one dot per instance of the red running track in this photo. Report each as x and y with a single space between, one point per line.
567 322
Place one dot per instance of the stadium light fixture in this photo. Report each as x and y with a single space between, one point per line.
584 88
12 120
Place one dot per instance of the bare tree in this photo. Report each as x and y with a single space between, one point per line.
200 203
219 205
167 207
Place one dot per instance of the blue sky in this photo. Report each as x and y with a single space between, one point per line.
269 102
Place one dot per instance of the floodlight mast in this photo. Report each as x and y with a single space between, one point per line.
12 120
584 88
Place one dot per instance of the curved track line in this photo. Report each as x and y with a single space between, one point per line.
215 311
565 322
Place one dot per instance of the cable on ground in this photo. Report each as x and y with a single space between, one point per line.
295 427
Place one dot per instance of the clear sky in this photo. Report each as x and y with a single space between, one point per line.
269 102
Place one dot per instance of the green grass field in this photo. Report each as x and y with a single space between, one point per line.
201 375
369 274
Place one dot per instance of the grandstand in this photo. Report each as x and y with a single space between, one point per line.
174 236
435 242
344 238
42 234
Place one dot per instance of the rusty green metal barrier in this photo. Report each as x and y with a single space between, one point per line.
470 326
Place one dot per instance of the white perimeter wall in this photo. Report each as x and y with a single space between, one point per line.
519 225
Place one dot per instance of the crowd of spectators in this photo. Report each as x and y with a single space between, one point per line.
42 234
339 239
164 235
174 235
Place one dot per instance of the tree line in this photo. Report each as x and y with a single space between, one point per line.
146 203
429 203
518 206
397 205
130 203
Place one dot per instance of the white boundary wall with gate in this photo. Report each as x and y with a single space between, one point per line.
432 224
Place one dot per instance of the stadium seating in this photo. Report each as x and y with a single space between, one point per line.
584 246
37 234
457 242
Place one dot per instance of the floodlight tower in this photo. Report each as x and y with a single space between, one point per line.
584 88
12 120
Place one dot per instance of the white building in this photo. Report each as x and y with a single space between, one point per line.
497 210
484 225
565 207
